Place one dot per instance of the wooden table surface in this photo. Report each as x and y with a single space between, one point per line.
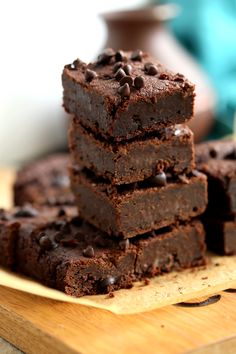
39 325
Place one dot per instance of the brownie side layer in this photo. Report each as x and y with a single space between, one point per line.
44 182
171 150
138 208
81 260
164 99
221 176
221 236
20 218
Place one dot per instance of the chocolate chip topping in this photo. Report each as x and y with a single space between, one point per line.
44 242
88 252
127 69
150 69
104 283
26 212
126 79
90 75
117 66
159 179
105 56
139 82
120 56
137 55
124 90
124 244
119 74
61 212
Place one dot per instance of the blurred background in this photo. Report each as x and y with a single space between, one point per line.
195 37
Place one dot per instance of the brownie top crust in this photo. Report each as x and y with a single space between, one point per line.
133 91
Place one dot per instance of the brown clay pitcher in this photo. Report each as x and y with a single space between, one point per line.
145 29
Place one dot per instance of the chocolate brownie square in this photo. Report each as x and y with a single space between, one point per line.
129 210
169 150
123 95
44 182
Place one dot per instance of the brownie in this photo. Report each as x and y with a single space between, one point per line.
169 150
221 176
215 149
221 235
120 97
132 209
81 260
44 182
13 222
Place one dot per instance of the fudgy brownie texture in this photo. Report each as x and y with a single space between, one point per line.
221 235
215 149
24 219
169 150
78 259
129 210
121 95
221 176
44 182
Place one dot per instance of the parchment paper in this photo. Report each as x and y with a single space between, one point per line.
219 274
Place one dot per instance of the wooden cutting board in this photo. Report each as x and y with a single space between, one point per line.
40 325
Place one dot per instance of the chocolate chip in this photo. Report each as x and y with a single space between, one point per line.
117 66
137 55
88 252
139 82
120 56
124 244
147 66
151 70
126 79
159 179
127 69
120 74
104 283
105 56
58 236
124 90
230 290
60 181
90 75
26 212
61 212
44 242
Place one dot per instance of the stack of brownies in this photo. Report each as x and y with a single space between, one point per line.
133 178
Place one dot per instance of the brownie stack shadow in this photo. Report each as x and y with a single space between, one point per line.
132 158
217 160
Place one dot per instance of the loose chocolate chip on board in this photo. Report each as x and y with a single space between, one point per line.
124 244
88 252
139 82
160 179
117 66
105 56
44 242
137 55
230 290
120 74
26 212
210 300
119 56
126 79
124 90
90 75
127 69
